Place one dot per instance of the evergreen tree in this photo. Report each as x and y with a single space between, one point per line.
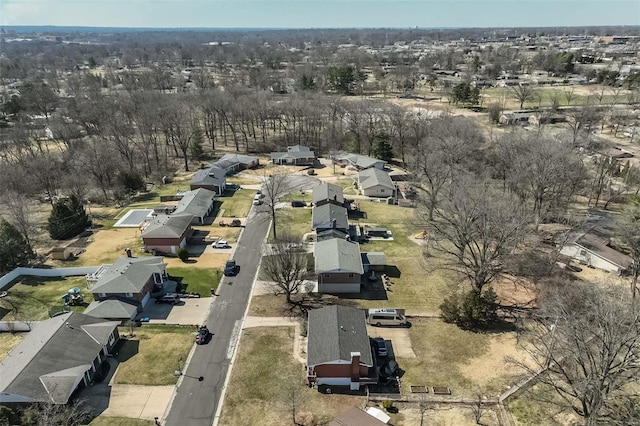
197 141
383 149
15 250
68 218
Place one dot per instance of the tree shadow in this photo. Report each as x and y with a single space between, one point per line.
126 349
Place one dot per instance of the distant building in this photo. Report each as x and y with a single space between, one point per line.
296 155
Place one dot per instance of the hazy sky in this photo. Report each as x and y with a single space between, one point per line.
319 13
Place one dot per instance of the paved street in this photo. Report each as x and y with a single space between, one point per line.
196 402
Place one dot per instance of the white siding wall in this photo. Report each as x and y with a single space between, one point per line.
334 381
588 258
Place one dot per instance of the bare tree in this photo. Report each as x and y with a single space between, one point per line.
523 93
584 345
285 263
477 226
75 413
20 215
627 230
478 409
275 186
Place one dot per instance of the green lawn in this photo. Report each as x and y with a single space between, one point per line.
197 280
151 355
237 203
263 377
31 298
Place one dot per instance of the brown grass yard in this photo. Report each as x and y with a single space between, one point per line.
468 363
263 373
8 341
151 356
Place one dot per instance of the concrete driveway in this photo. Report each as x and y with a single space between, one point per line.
186 312
399 337
138 402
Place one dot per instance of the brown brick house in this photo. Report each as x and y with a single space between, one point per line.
338 348
167 233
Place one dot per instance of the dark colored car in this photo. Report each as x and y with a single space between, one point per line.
231 268
203 335
298 203
172 298
380 346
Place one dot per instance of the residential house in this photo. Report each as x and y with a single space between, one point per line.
212 178
198 203
338 348
166 233
375 183
329 216
296 155
57 357
592 248
358 161
338 265
122 289
515 117
233 163
327 193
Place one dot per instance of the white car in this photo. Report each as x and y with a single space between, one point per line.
257 200
221 244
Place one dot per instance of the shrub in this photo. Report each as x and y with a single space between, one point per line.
311 172
473 310
494 111
387 404
183 254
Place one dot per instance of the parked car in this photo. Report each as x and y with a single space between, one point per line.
298 203
389 370
257 200
380 346
259 194
220 244
231 268
203 335
172 298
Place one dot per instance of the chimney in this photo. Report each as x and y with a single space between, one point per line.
128 251
355 366
334 223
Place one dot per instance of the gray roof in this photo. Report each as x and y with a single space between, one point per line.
599 244
374 258
358 160
165 226
356 417
196 202
334 333
327 191
129 274
231 160
337 255
327 234
292 154
112 308
212 176
374 177
322 216
43 368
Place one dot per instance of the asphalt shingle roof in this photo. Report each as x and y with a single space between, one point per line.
358 160
53 356
196 202
327 191
167 226
334 333
322 216
111 308
373 177
337 255
128 275
212 176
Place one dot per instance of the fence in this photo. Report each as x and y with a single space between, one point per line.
43 272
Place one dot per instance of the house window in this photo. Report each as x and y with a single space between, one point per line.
351 275
111 339
382 190
129 294
583 252
326 275
102 294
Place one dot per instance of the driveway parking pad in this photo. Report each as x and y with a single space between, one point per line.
399 337
138 402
